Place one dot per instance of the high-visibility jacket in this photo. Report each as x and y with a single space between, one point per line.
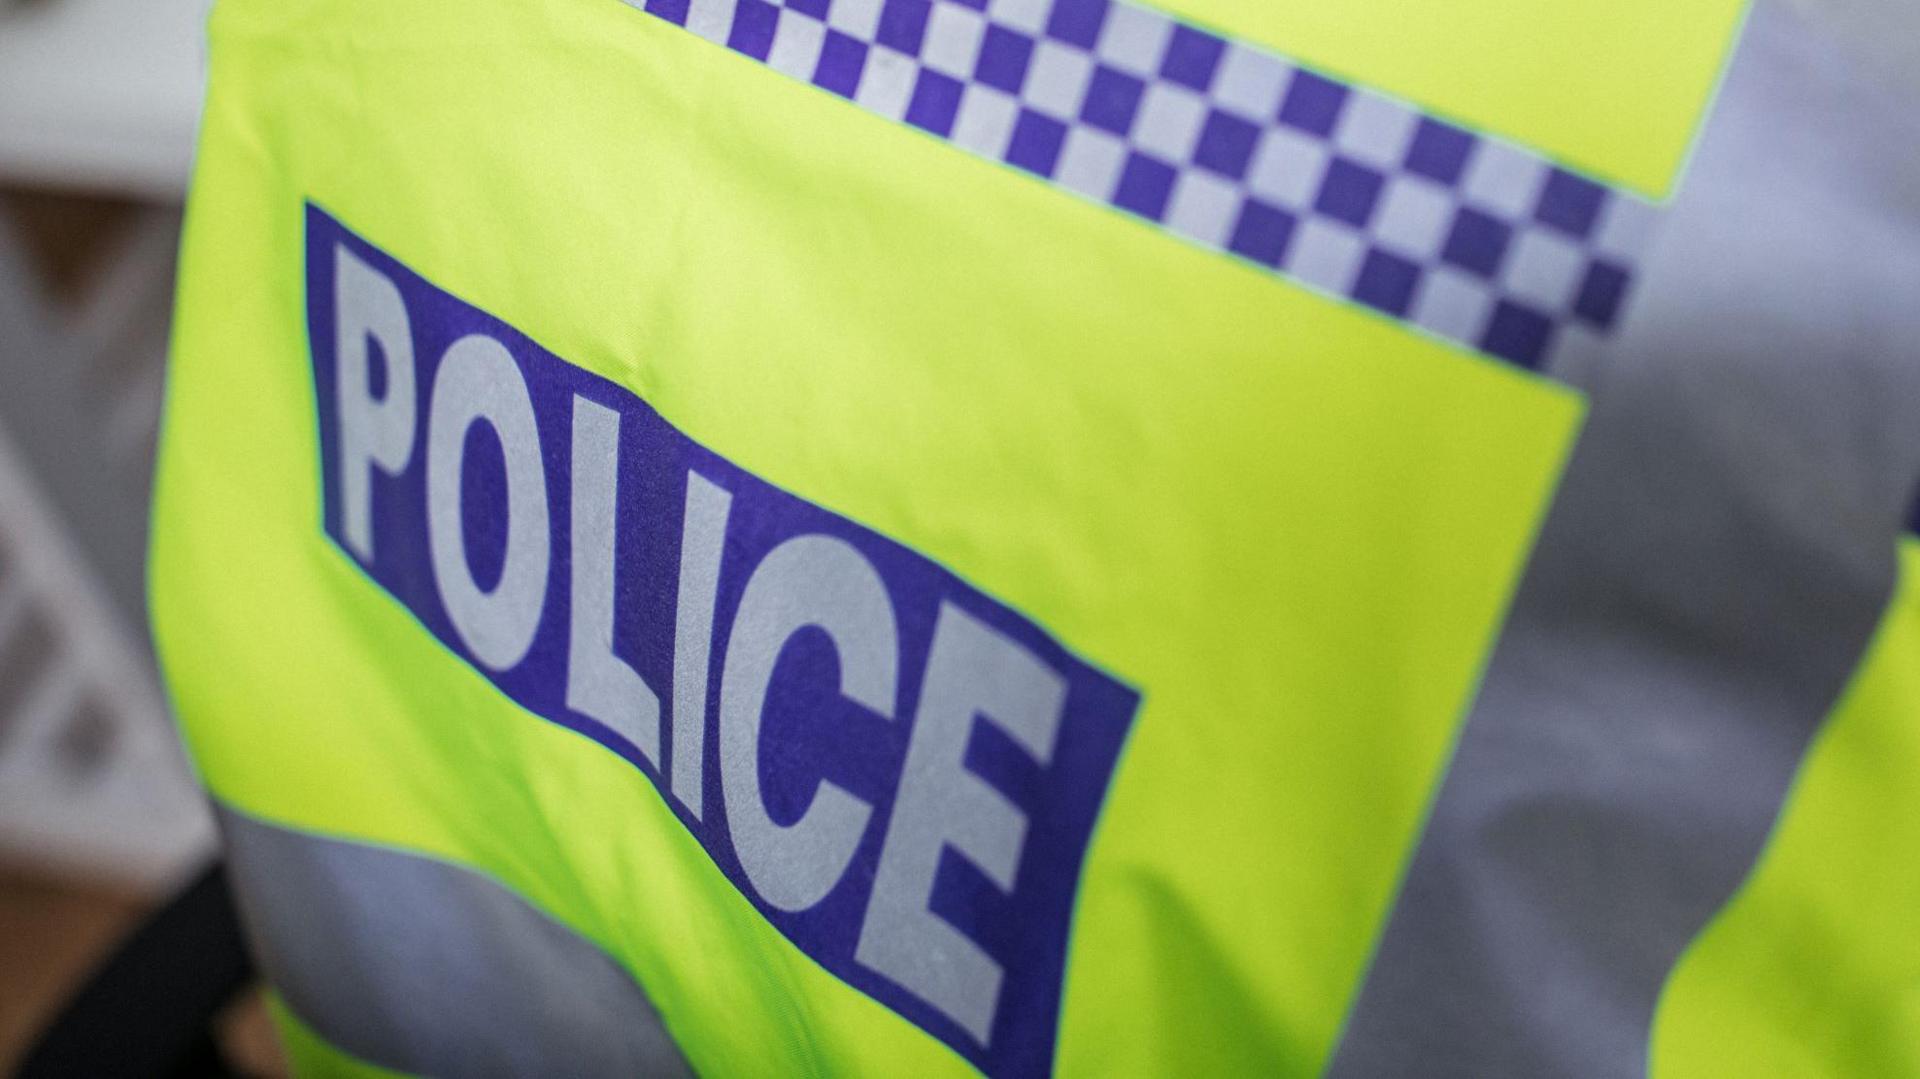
1196 537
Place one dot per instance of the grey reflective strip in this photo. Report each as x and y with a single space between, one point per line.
1719 553
425 967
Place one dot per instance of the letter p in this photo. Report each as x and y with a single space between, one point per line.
373 431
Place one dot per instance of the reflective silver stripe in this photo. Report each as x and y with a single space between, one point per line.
1717 557
425 967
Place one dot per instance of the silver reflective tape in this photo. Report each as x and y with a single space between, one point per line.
1357 195
425 967
1715 562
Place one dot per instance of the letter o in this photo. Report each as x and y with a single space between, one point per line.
478 381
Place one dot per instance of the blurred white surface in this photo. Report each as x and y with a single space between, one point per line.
101 95
96 97
92 779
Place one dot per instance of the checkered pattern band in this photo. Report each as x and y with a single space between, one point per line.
1340 188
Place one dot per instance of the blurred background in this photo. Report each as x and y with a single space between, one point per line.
100 819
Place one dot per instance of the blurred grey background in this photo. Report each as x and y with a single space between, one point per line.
99 814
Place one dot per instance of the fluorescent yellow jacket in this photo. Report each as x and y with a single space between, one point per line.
918 536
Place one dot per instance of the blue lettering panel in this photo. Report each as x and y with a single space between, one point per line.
809 732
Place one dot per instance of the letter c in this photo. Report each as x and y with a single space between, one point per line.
808 580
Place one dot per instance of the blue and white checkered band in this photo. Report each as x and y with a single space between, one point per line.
1340 188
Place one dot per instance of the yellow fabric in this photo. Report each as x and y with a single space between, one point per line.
1293 525
1814 969
1615 88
